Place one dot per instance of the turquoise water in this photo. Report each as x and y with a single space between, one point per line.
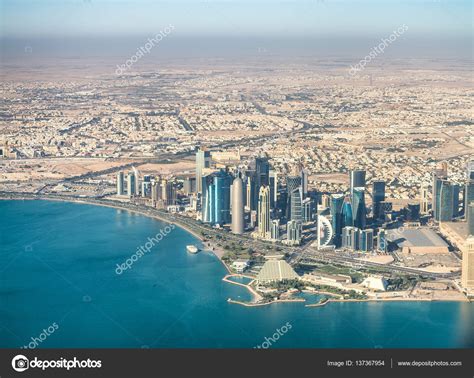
58 262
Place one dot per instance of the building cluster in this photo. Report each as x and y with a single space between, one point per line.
251 197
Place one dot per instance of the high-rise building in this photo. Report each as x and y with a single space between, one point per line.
137 181
358 207
203 160
296 202
275 231
207 199
356 179
292 183
336 204
347 214
439 175
467 270
155 188
222 182
237 206
366 240
189 185
424 200
131 183
378 195
249 189
350 238
264 212
470 219
120 184
294 232
445 209
324 231
309 209
273 183
469 188
304 181
382 241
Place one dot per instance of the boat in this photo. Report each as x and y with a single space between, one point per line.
192 248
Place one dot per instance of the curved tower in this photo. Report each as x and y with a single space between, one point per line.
237 206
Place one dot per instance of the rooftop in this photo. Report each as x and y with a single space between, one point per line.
416 237
276 270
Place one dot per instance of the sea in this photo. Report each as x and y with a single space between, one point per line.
61 286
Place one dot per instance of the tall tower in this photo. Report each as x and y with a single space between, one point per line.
440 174
424 200
356 180
131 184
445 210
203 160
264 225
378 195
237 206
358 207
296 201
337 202
120 184
469 190
222 182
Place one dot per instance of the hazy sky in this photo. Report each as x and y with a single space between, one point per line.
310 18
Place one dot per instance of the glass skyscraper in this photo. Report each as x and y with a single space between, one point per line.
203 160
358 207
296 205
336 205
378 195
347 218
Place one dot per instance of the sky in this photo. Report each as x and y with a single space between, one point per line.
260 18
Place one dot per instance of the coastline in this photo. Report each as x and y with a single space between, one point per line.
215 250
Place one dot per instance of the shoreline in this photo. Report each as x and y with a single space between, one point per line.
216 251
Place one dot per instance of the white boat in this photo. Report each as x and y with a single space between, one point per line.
192 249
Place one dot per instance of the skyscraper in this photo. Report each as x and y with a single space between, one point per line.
336 204
273 182
275 231
249 189
222 182
264 212
378 195
366 240
470 219
445 207
131 184
424 200
469 189
120 184
467 271
350 238
347 214
358 207
440 174
294 232
382 241
296 202
292 182
356 179
203 160
237 206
